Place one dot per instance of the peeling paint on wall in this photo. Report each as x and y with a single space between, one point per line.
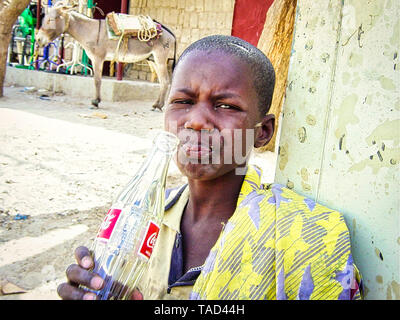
283 156
346 115
383 135
393 291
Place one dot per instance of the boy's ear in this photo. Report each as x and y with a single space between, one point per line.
264 132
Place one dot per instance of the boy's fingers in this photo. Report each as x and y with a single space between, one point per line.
69 292
80 276
83 257
136 295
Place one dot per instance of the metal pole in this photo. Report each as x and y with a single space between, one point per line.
38 9
120 66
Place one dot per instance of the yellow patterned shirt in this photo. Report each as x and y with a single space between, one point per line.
279 245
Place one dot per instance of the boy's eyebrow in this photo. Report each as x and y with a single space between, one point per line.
218 95
226 95
186 91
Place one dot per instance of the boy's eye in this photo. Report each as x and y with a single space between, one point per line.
226 106
181 101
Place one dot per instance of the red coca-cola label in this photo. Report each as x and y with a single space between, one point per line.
147 245
108 224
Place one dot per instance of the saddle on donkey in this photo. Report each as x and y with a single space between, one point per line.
141 27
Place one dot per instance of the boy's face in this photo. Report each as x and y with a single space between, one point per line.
210 105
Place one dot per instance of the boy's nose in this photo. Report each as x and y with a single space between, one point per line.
199 118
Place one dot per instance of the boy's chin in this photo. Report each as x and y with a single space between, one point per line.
205 172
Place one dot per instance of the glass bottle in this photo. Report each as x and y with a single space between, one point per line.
127 235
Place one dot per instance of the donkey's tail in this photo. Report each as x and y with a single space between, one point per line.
174 62
170 32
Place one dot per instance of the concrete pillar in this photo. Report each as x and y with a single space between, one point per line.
340 133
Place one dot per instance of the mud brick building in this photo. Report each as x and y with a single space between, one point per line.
190 20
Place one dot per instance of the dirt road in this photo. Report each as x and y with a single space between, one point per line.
61 165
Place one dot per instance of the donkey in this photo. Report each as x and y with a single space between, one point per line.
91 34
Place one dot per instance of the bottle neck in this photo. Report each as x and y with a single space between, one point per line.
151 176
153 171
155 168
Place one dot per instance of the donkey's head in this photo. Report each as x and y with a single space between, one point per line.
54 23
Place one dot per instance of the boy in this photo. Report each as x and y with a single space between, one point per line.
224 234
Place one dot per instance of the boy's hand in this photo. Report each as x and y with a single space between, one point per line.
79 274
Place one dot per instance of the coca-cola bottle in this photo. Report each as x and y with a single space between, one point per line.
127 235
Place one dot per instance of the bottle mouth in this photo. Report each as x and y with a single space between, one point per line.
166 141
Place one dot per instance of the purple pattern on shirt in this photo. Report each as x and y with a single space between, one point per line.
310 204
277 198
345 277
253 199
210 261
280 286
306 285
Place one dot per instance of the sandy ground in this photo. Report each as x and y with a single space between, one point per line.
61 165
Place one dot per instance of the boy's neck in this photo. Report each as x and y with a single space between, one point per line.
214 199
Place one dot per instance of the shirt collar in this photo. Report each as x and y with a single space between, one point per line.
251 182
172 216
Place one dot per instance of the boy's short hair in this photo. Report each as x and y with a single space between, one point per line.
260 66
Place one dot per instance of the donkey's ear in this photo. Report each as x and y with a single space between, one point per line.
65 10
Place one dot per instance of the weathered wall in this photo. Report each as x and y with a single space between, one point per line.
341 128
190 20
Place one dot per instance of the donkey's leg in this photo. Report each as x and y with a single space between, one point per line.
164 79
98 71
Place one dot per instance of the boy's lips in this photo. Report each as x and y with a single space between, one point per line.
196 151
195 145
